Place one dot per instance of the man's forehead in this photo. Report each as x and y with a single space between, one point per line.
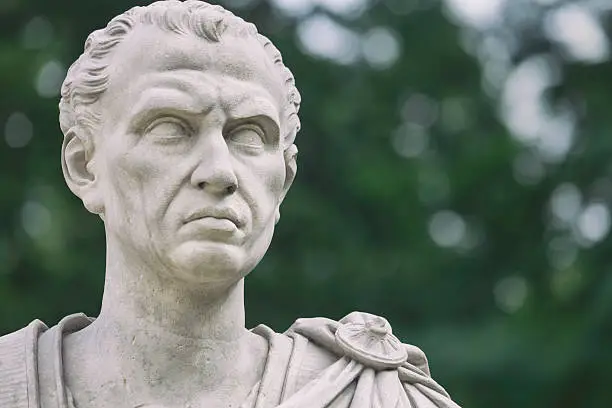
201 92
149 50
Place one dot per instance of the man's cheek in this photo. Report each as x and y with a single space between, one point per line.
275 179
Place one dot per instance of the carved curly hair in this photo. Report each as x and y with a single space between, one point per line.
88 77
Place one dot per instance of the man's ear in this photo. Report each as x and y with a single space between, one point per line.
78 166
290 171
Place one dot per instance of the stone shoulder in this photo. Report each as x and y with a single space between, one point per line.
314 361
363 337
361 352
13 369
18 366
359 336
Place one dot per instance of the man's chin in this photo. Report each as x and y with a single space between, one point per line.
206 262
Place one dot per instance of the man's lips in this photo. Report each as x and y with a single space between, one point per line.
217 213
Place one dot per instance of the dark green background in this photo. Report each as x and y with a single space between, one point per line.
515 312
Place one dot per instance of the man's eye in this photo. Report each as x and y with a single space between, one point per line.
248 135
168 129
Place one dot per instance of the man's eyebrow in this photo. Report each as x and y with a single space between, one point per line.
171 99
247 105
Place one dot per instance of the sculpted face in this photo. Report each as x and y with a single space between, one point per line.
189 158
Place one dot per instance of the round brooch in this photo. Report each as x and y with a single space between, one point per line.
368 339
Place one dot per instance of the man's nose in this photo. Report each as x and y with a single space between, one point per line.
215 171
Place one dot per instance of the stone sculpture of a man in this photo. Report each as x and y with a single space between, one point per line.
179 122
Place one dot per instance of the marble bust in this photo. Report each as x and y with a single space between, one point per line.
179 123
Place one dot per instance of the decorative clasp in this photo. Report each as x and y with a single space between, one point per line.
368 339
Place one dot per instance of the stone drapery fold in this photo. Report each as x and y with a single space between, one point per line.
349 383
317 363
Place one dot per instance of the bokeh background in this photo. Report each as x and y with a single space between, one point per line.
454 176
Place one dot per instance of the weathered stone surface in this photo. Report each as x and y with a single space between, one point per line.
179 124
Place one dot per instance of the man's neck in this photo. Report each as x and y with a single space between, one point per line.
156 336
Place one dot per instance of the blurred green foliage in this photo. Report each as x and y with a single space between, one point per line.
454 176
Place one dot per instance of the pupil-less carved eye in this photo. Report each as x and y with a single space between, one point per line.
167 128
248 135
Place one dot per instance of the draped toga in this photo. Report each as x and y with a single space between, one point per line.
353 363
